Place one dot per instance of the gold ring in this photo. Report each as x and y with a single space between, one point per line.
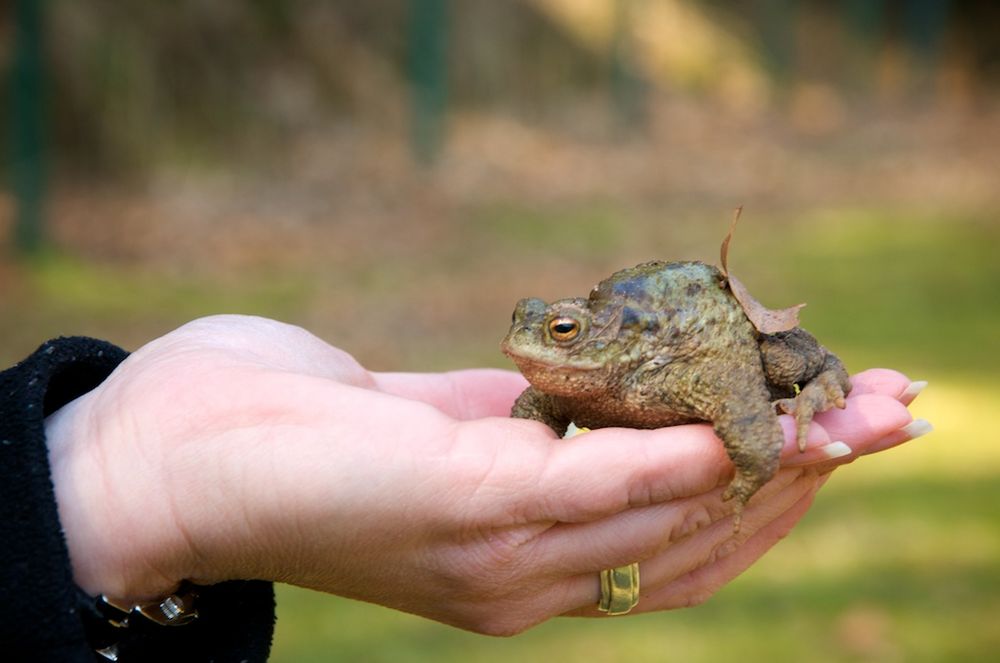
619 589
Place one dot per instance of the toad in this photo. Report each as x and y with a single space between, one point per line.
667 343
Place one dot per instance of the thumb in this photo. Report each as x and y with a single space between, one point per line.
607 471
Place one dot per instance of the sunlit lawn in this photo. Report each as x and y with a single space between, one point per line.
899 560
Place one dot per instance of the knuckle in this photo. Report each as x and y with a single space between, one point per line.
724 549
645 487
697 598
499 627
490 570
490 591
696 517
500 618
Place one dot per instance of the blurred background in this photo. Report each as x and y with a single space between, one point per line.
394 175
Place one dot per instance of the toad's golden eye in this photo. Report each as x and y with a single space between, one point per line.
563 329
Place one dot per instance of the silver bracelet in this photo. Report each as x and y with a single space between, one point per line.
177 609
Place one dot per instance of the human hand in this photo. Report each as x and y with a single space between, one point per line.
239 447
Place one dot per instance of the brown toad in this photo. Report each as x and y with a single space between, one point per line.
662 344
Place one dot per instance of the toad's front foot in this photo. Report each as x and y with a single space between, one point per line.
823 392
536 405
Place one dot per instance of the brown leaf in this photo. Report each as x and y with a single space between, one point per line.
767 321
724 250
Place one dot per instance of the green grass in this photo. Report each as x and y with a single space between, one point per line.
918 290
58 294
73 286
897 561
898 558
592 230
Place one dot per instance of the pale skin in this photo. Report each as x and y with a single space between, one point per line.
238 447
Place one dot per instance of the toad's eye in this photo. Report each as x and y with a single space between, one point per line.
563 329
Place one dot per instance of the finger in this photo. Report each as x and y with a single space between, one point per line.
718 541
702 548
867 419
467 394
888 382
875 419
910 431
641 533
912 391
816 437
607 471
870 423
696 586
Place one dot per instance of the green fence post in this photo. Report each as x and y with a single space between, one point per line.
628 89
866 22
27 125
427 68
926 21
777 22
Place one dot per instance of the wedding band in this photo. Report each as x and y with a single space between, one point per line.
619 589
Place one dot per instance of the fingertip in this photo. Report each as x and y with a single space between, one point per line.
917 428
911 431
867 419
815 437
691 440
912 391
820 454
609 470
884 381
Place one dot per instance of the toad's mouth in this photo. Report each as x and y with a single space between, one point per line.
531 364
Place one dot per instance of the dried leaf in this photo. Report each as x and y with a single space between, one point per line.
724 250
767 321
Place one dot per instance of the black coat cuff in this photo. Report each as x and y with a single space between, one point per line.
41 616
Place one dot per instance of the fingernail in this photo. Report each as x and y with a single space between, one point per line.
916 428
914 389
819 454
835 450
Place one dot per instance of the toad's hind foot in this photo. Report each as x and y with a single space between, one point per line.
753 439
741 489
823 392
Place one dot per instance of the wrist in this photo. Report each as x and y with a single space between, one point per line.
108 554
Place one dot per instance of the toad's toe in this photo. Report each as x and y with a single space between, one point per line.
821 394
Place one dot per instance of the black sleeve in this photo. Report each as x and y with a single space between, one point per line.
43 615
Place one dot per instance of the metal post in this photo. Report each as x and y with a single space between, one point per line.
926 21
27 140
627 87
427 60
777 21
866 21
